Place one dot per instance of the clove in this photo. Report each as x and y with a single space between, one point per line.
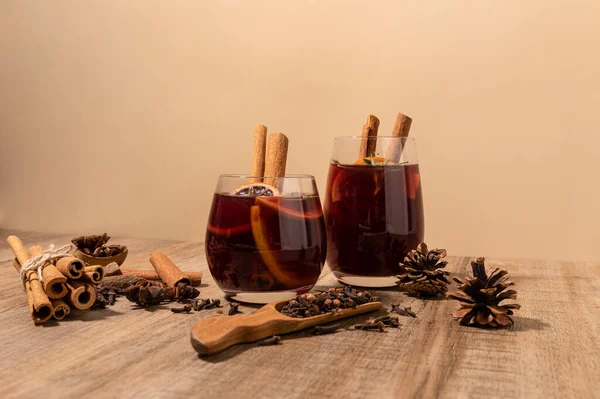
184 309
321 330
234 309
403 311
274 340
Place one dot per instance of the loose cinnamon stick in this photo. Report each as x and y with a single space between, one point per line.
52 279
276 158
40 307
194 277
92 275
61 309
70 267
167 270
401 129
82 296
258 154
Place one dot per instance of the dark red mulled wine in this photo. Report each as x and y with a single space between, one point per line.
374 217
265 244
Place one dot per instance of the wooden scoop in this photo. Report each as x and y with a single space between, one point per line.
217 333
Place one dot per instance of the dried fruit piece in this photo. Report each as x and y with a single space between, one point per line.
374 161
256 190
260 238
229 230
274 204
412 185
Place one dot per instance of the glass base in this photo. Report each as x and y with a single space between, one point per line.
262 297
366 281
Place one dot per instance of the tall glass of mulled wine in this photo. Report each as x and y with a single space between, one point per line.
266 238
373 210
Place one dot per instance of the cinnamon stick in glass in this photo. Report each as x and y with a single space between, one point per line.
258 154
194 277
276 158
82 296
368 144
70 267
167 270
40 307
401 129
52 279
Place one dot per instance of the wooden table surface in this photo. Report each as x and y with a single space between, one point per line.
552 351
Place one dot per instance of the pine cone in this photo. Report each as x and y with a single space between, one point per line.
481 295
424 276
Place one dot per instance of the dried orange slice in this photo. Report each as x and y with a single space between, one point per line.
275 205
412 185
228 230
374 161
256 190
260 234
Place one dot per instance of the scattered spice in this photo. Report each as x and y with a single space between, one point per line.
332 300
150 292
321 330
406 311
220 311
184 309
181 292
233 308
201 304
379 323
105 296
274 340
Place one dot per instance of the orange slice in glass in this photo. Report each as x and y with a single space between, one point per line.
412 185
228 230
256 190
274 204
260 234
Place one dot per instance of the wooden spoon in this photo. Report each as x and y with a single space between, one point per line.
217 333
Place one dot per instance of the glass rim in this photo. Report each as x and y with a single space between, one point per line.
248 176
379 137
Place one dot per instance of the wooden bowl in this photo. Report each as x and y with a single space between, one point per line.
104 260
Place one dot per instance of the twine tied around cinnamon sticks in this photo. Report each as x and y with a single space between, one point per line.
46 258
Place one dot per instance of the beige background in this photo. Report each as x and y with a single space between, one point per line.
118 116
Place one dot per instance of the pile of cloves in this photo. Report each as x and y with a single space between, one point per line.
332 300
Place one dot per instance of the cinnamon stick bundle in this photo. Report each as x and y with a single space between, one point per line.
61 309
167 270
82 296
40 307
92 275
52 279
70 267
401 129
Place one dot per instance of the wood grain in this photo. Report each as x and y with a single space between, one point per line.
553 350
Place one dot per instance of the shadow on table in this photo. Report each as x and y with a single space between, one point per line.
528 324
